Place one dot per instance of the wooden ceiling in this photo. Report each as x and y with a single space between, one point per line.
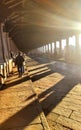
33 23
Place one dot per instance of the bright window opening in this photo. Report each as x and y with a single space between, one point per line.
63 44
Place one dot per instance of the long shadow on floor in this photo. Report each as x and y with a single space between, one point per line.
26 115
17 81
23 117
56 93
52 96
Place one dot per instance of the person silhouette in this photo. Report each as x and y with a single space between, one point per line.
19 63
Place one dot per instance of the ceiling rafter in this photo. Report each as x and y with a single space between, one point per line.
39 21
9 2
14 5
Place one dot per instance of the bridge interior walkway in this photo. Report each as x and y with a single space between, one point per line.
58 86
54 85
19 105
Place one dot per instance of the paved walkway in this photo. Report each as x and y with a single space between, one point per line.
19 106
58 86
55 85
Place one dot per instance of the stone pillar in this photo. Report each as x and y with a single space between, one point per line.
51 48
1 39
43 49
47 48
77 50
2 57
4 36
55 49
67 50
60 48
77 43
8 43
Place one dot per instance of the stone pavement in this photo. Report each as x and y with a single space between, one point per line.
55 85
58 86
19 105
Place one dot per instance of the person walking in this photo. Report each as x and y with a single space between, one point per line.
19 63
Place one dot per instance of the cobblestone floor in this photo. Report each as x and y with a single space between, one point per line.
58 86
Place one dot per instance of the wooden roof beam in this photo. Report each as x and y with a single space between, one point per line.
9 2
15 5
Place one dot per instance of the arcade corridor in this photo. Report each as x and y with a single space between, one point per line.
48 35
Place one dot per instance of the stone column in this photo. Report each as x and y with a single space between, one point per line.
8 43
60 48
55 49
1 39
67 50
77 50
43 49
51 48
77 43
47 48
48 53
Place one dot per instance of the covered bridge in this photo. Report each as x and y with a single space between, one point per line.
48 32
